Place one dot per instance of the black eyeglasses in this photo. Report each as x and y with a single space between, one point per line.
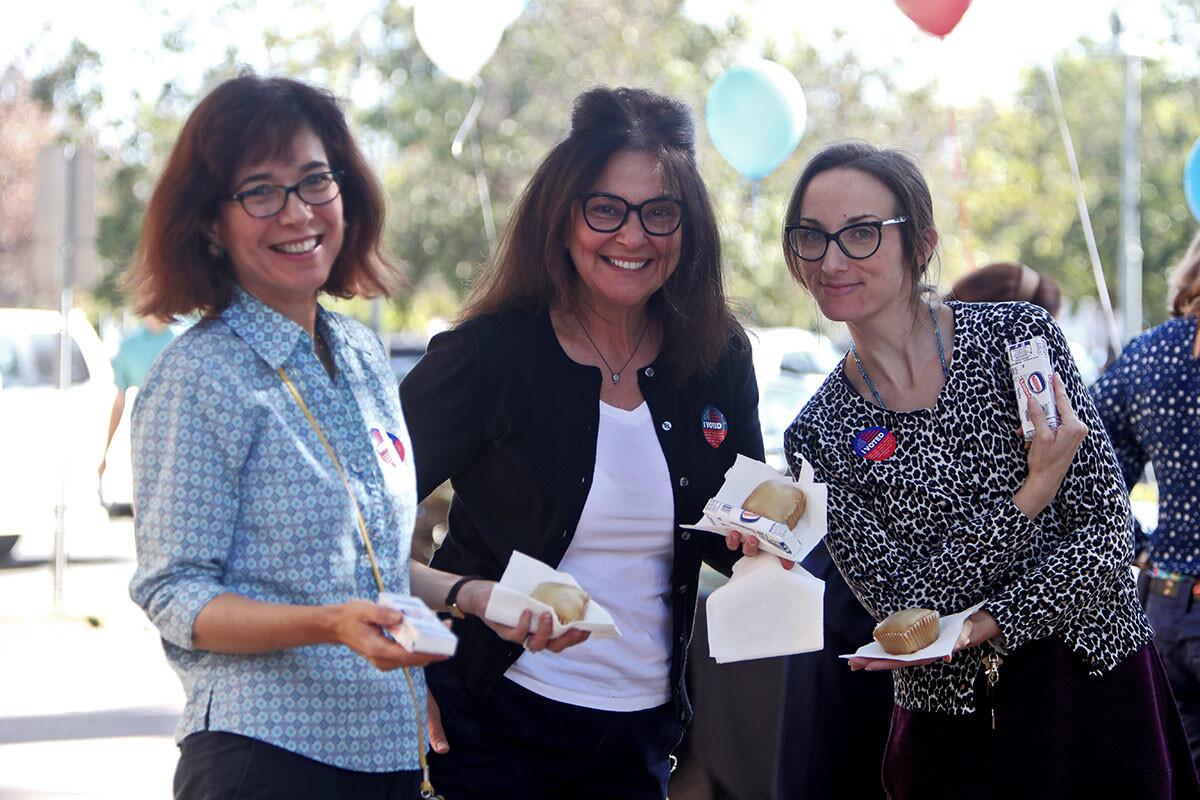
268 199
857 241
605 213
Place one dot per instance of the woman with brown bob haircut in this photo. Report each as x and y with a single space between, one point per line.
588 403
274 486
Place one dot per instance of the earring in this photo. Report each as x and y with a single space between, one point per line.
215 250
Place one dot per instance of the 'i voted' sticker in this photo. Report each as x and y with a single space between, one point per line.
714 426
388 447
875 444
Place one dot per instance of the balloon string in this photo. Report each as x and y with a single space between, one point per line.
1114 338
960 177
456 148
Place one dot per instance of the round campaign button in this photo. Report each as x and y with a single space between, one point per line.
875 444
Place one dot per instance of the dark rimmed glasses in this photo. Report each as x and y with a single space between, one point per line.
268 199
606 213
859 240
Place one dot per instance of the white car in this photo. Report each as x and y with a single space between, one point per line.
50 441
790 364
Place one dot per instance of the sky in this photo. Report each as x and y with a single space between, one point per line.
982 57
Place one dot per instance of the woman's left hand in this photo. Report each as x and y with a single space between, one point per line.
977 629
473 599
750 548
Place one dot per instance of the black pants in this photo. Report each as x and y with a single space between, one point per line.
1176 622
514 743
225 766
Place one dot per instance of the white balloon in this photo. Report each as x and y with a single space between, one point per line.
459 36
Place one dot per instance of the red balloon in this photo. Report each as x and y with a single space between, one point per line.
934 16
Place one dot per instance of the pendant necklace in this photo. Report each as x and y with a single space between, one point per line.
615 374
937 333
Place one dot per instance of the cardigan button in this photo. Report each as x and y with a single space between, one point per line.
683 588
683 481
666 426
649 372
685 535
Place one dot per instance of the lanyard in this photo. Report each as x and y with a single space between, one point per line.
426 786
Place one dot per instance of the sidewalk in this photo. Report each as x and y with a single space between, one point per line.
87 702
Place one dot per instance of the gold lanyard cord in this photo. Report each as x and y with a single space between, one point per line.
426 786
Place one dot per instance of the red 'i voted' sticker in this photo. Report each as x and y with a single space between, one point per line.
713 425
875 444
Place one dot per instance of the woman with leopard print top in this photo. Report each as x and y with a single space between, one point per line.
935 502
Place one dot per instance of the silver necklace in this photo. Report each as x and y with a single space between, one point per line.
615 374
937 333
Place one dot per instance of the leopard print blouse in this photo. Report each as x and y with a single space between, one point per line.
934 523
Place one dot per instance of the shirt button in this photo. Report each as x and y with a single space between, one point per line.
666 426
683 481
649 372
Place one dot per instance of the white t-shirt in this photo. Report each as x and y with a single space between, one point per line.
621 554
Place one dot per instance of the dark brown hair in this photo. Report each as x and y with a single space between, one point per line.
1185 289
900 174
247 120
532 269
1007 280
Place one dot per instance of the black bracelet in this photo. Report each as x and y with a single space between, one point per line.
452 596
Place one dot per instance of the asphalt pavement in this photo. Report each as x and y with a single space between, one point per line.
88 704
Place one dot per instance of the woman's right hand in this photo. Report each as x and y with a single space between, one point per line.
1051 451
473 599
358 624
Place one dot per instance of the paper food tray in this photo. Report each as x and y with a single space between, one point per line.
949 628
511 596
724 513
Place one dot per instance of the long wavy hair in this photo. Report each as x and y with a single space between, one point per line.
532 270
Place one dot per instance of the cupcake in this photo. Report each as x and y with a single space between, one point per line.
907 631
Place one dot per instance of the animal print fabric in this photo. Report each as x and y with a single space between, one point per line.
935 525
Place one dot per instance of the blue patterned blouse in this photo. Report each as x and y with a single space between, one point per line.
235 493
1149 400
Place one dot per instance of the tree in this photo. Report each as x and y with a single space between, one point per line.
24 128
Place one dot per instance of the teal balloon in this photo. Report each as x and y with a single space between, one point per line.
756 115
1191 180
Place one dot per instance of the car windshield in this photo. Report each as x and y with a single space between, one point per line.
31 359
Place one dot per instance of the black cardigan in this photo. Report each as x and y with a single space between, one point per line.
499 409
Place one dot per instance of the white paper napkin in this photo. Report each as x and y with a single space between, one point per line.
724 512
511 596
949 628
765 610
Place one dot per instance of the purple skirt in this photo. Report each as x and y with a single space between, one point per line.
1059 734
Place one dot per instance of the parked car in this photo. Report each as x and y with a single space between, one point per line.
50 440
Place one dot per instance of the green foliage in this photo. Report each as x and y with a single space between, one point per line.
1012 199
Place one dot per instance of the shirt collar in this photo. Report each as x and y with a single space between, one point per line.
271 335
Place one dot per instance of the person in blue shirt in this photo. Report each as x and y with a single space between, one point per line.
134 357
274 484
1149 400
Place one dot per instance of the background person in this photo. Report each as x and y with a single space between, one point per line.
1002 281
588 403
1149 400
269 448
959 512
134 357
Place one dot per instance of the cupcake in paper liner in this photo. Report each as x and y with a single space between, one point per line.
907 631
